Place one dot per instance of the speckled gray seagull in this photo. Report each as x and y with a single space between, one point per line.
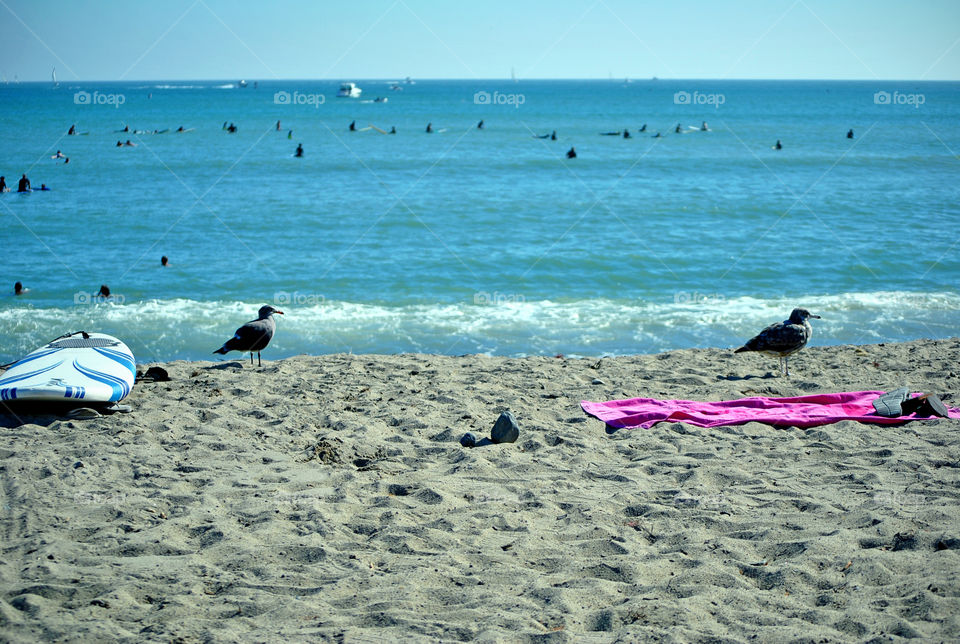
253 336
783 338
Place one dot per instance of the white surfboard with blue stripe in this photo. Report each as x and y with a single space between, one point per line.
88 367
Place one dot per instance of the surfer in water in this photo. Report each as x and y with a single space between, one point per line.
626 133
72 130
299 152
164 261
429 128
703 127
571 153
104 291
643 129
278 126
850 133
553 136
24 184
232 129
353 126
480 125
58 155
3 184
677 129
778 146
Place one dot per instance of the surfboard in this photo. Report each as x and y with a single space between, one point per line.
92 367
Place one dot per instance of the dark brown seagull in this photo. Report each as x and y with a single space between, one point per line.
783 338
253 336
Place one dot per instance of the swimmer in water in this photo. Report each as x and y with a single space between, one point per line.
571 153
18 289
43 187
119 144
24 184
850 133
278 126
656 136
164 261
290 134
626 133
778 146
58 155
299 152
553 136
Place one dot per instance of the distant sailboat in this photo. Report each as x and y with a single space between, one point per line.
513 74
54 75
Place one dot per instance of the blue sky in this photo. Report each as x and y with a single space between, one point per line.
356 39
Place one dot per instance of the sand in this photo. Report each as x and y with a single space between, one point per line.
328 498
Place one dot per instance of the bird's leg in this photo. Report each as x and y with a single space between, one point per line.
259 364
786 365
251 358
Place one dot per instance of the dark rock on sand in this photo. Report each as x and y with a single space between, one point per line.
505 430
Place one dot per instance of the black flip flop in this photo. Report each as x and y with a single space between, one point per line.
889 404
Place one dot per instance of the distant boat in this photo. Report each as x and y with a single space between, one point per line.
349 90
242 83
513 74
408 81
54 75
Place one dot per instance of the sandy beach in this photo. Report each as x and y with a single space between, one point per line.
328 498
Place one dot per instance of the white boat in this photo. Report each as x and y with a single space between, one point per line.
349 90
242 83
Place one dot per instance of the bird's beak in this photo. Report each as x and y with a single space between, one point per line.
281 312
816 316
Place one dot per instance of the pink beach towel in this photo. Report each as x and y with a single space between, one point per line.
802 411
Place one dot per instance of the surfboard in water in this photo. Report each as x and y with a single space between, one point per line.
89 367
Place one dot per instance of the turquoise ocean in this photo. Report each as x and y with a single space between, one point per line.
469 240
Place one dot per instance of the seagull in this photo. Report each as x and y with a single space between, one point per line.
783 338
253 336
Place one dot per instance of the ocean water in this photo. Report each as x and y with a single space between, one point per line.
480 240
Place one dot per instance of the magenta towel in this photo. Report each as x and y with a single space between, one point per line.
802 411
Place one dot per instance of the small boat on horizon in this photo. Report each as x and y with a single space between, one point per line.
349 90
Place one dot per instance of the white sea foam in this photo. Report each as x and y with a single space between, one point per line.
188 329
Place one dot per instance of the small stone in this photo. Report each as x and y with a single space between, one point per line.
468 440
505 430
